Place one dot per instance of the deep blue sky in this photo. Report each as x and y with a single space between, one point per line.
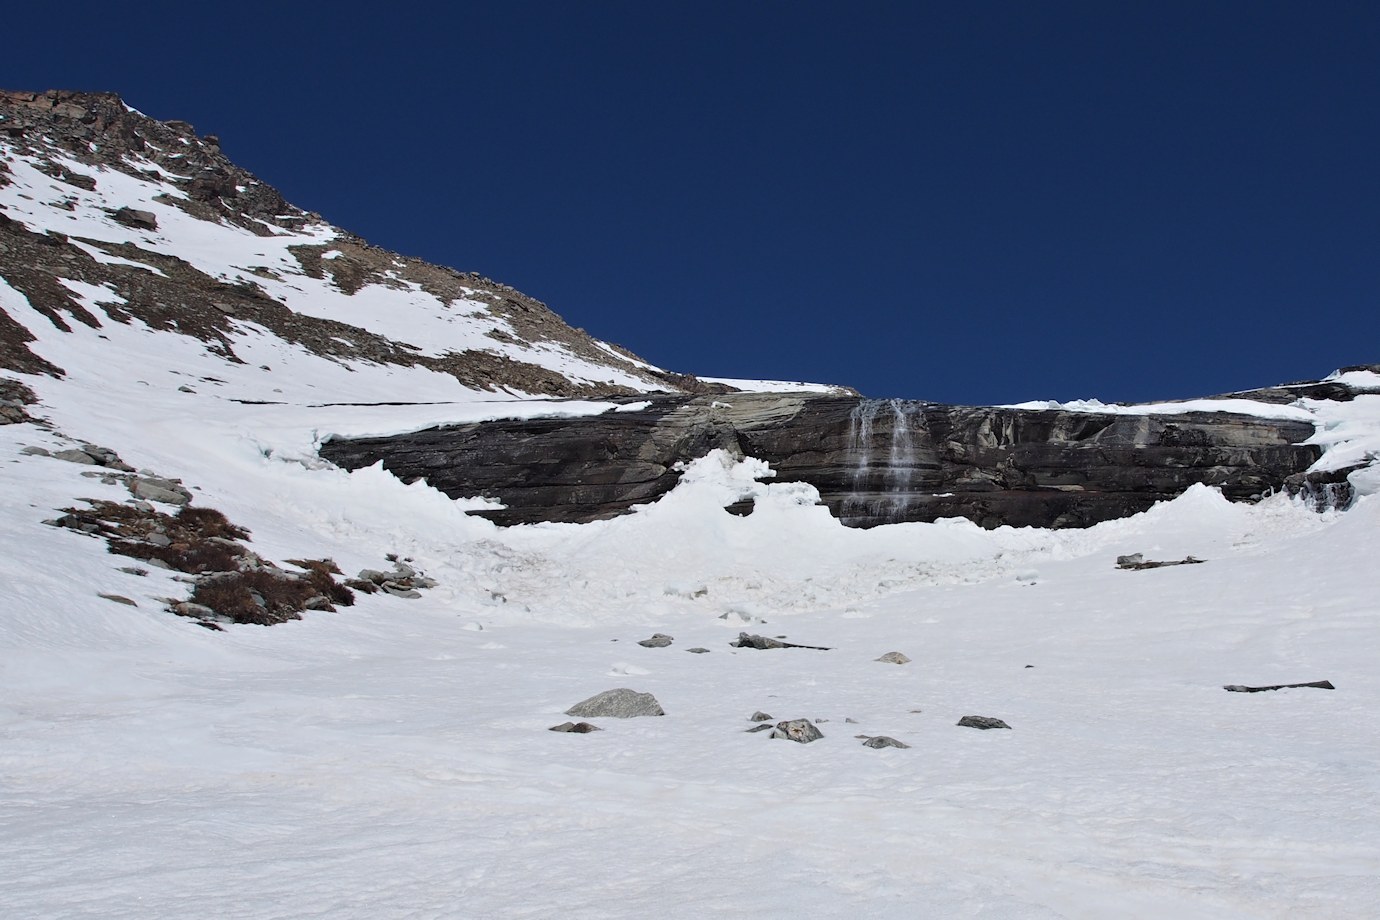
966 202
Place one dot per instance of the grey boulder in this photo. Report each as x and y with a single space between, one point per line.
802 731
884 741
621 703
154 489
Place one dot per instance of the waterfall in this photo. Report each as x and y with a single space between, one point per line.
860 439
880 492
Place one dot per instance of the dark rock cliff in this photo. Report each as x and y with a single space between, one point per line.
873 461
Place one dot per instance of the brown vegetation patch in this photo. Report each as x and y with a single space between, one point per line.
233 583
262 596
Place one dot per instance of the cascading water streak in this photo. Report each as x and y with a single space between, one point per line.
882 492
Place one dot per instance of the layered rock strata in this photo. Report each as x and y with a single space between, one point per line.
873 461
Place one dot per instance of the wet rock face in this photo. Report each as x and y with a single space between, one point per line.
873 461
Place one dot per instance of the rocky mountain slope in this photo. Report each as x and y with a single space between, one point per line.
107 215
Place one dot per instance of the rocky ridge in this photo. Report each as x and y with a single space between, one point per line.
92 146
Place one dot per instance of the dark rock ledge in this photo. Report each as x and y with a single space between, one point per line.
873 461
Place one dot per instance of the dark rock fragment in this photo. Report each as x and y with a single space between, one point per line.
884 741
982 722
658 640
578 728
1241 688
1137 561
764 642
757 642
73 455
139 220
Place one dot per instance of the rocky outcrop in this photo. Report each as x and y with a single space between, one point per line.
873 461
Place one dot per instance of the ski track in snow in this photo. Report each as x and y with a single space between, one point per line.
391 760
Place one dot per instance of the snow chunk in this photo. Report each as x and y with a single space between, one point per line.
92 295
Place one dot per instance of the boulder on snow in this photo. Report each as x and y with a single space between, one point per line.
1137 561
894 658
884 741
139 220
982 722
658 640
758 642
578 728
759 716
621 703
73 455
403 581
107 457
802 731
764 642
154 489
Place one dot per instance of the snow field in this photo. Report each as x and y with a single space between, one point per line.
391 760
